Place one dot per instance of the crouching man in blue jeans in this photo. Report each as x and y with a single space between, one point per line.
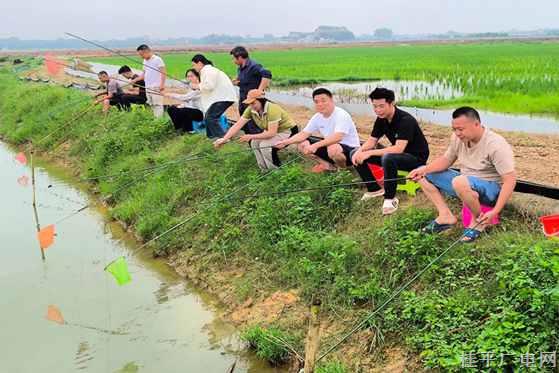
486 176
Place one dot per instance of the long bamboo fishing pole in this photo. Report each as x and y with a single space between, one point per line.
120 55
67 123
128 83
35 212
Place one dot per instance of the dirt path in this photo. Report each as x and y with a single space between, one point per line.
536 156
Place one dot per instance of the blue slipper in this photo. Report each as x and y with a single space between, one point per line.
434 227
470 235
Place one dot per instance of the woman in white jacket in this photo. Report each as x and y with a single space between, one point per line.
217 94
190 108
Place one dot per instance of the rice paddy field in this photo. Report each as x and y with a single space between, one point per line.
508 77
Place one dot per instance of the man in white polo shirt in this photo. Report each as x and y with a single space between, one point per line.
154 75
338 132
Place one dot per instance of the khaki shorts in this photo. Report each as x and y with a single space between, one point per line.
154 99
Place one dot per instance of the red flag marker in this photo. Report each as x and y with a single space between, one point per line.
21 158
46 236
54 66
54 315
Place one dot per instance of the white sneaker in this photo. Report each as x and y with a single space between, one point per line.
390 206
369 195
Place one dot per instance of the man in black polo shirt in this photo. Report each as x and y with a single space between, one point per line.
409 148
137 95
250 75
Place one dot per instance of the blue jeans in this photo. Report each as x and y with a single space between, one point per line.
488 190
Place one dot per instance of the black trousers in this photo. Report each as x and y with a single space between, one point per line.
391 163
126 100
182 118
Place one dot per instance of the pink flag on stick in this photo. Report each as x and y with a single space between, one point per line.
21 158
53 65
54 315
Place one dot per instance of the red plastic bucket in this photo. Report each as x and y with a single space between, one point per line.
378 172
550 225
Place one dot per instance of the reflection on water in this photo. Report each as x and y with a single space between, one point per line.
358 93
156 323
507 122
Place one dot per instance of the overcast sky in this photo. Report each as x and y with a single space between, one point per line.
107 19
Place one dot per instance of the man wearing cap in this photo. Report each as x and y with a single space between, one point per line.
272 119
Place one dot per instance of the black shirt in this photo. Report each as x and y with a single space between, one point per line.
403 127
141 85
250 76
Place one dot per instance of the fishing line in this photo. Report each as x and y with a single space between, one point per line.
128 82
211 204
393 296
121 55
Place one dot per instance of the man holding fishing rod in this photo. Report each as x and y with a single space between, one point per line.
112 96
408 150
154 75
487 175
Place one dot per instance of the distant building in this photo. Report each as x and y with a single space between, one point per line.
323 34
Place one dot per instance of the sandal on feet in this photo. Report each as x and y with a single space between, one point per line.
390 206
369 195
470 235
435 227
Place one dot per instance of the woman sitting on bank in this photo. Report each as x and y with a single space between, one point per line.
269 116
190 109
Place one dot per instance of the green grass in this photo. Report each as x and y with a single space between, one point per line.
512 77
499 295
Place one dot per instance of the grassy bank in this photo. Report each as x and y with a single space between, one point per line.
512 77
498 295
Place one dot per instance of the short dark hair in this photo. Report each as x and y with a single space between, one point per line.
468 112
143 47
262 101
201 58
239 51
124 69
102 72
193 71
383 93
321 91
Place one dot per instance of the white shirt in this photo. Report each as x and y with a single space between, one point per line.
152 76
190 100
338 121
215 86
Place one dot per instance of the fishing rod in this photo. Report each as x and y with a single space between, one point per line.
194 157
128 82
105 199
394 295
211 203
121 55
66 124
330 186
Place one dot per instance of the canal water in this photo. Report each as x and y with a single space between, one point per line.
155 323
353 96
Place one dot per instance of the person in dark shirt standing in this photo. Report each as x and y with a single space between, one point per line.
250 75
409 148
